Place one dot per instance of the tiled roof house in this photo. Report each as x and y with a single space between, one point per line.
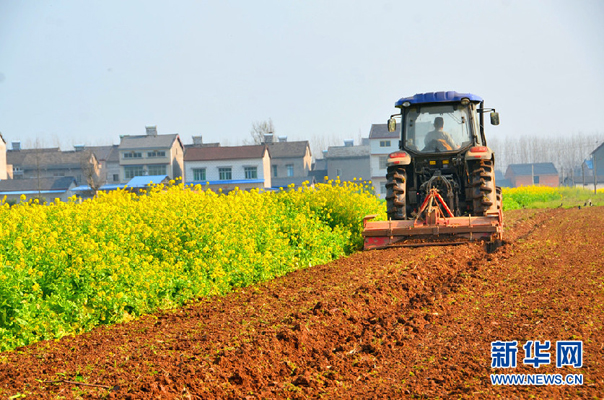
290 161
542 174
151 154
348 162
51 163
228 167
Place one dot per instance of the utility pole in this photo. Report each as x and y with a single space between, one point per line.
593 155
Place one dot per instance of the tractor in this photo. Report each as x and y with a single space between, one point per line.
440 185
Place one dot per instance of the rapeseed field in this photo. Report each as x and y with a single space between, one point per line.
68 267
549 197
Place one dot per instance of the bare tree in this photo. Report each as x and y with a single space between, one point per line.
320 142
259 129
91 172
567 153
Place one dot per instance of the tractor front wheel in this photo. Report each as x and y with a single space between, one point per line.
483 188
396 188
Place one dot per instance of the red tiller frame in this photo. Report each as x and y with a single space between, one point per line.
448 229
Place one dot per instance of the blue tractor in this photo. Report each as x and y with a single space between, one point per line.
441 182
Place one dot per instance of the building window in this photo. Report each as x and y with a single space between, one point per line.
274 171
133 154
384 143
156 153
290 169
383 162
116 178
251 172
157 169
536 179
338 172
132 171
383 187
225 174
199 174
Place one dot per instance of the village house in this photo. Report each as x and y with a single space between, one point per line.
539 174
290 161
227 167
381 143
26 164
150 154
318 171
109 163
597 165
43 189
349 162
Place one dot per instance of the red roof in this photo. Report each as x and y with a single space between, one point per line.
225 153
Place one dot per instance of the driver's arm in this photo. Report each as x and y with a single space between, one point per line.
450 140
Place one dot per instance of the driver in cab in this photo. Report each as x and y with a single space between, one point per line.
438 139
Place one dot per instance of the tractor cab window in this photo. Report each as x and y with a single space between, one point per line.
437 128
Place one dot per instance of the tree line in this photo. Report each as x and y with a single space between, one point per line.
567 153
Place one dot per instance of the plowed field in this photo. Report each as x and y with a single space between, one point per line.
396 323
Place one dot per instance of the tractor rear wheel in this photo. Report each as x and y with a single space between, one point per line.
396 188
483 188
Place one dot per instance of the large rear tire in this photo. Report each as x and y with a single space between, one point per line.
396 191
484 193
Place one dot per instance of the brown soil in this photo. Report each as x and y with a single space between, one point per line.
393 323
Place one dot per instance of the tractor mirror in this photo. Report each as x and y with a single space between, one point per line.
494 118
391 124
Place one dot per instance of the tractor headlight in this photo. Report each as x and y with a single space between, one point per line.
465 101
406 104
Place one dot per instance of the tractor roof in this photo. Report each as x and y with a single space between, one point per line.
437 97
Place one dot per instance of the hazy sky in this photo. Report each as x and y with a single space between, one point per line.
89 71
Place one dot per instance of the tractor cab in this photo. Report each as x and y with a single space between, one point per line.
439 128
441 122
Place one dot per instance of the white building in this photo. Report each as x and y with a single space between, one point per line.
381 143
225 168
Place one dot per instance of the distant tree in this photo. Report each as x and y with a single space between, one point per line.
91 171
567 153
37 143
37 146
261 128
320 142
